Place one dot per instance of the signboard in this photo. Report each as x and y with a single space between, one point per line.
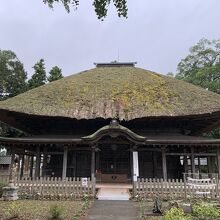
135 166
84 182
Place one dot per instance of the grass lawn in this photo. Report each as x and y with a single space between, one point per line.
39 210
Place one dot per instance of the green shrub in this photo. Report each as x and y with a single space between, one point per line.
56 211
1 188
176 214
205 211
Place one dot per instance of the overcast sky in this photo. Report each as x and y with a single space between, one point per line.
157 33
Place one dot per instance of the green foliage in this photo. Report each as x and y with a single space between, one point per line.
170 74
82 210
12 82
7 131
202 66
56 211
101 6
1 188
205 211
39 77
142 208
176 214
55 74
12 75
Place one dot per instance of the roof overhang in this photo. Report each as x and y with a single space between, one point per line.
8 141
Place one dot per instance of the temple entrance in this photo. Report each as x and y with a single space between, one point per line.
114 164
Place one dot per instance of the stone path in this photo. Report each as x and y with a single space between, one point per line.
113 194
113 210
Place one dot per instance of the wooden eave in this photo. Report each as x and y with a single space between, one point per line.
6 141
37 141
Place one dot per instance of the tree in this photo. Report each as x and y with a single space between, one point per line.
170 74
39 78
202 66
12 75
101 6
12 82
55 74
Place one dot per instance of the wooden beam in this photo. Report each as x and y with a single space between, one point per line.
189 154
149 149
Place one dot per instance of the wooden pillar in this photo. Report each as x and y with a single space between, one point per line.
37 164
135 166
131 163
209 163
164 162
218 161
155 164
135 170
22 167
44 161
98 160
74 164
185 161
65 154
31 166
193 168
93 170
11 178
199 165
19 168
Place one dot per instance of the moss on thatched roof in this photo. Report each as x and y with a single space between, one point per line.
115 92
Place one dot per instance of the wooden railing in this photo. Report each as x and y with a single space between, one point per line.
173 189
53 188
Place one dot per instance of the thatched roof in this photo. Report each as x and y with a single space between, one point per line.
125 93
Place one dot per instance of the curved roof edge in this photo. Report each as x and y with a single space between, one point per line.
114 130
